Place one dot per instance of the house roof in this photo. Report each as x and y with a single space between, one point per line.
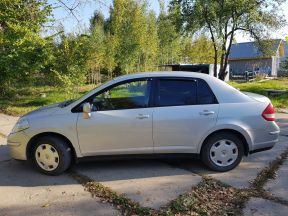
250 50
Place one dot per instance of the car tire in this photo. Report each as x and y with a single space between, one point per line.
222 151
51 155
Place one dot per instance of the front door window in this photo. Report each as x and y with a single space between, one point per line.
130 95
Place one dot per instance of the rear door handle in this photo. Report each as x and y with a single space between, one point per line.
142 116
207 112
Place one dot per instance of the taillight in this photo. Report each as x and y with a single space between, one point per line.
269 113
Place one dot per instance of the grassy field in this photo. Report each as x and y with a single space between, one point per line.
28 99
260 87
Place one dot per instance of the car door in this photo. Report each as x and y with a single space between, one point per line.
185 110
120 122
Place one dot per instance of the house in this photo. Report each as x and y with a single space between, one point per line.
248 57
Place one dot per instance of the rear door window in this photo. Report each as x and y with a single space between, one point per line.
181 92
174 92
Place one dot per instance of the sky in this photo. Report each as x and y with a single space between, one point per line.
84 12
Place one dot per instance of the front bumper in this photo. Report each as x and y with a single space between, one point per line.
17 143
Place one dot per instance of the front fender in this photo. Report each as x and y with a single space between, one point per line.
64 125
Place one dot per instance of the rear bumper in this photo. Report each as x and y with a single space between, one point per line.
260 150
265 140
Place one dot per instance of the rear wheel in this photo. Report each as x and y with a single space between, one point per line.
222 151
51 155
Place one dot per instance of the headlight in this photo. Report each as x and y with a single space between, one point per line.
21 125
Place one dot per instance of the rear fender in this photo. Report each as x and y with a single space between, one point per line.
232 127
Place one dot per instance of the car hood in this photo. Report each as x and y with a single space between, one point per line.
46 110
257 97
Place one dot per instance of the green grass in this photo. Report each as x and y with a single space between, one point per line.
27 99
259 87
24 100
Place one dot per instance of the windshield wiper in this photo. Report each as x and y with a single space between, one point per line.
66 103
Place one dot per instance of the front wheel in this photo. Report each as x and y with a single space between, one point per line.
51 155
222 152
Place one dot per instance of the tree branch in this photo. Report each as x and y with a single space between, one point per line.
71 10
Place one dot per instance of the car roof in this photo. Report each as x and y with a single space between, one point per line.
164 74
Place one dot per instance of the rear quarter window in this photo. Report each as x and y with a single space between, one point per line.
205 94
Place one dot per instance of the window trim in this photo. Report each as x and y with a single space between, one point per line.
156 96
75 109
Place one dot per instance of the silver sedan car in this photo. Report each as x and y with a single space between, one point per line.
149 114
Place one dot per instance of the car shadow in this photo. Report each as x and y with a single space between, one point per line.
79 205
23 173
115 170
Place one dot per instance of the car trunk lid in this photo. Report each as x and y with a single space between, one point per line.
258 97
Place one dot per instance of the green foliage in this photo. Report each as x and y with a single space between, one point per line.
22 50
68 68
125 42
110 50
131 39
95 60
169 39
150 45
123 29
129 26
198 51
222 19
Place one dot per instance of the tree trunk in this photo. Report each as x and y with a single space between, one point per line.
215 58
215 63
223 73
223 53
215 52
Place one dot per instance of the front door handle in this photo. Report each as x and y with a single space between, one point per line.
142 116
206 112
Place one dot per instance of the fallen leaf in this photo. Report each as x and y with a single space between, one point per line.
45 205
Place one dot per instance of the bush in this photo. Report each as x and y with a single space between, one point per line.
260 76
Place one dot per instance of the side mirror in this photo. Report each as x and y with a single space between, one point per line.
87 111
